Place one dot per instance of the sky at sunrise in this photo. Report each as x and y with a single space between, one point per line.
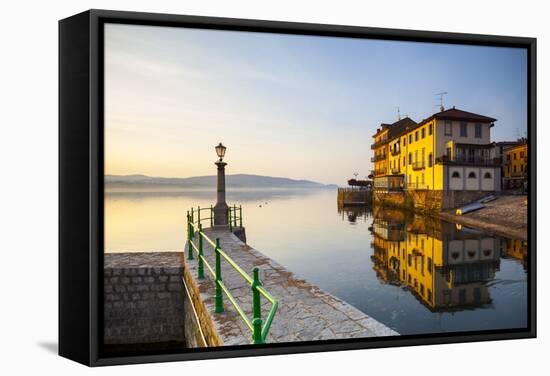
302 107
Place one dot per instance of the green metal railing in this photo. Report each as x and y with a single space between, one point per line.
258 328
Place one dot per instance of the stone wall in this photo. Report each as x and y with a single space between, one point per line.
394 199
143 298
200 330
427 200
348 196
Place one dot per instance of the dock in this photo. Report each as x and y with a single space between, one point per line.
305 312
354 197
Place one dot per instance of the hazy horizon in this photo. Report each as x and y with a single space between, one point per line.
300 107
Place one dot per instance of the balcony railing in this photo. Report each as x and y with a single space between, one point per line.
416 186
395 170
378 144
419 165
469 161
395 151
379 157
379 172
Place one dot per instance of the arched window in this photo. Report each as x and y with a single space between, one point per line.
472 175
487 175
456 174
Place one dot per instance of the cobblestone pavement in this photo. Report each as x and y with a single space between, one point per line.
305 311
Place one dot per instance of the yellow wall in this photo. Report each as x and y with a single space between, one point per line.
515 161
381 150
423 178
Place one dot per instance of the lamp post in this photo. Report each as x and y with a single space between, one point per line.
221 208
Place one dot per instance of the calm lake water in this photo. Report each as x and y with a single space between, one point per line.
412 273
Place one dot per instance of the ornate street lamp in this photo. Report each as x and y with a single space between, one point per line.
221 209
220 150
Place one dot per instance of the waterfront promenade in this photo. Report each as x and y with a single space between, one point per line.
305 312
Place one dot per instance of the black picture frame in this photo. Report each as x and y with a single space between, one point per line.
81 183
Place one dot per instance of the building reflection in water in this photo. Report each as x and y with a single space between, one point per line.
354 214
445 266
517 249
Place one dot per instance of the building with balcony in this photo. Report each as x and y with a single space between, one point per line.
515 166
449 151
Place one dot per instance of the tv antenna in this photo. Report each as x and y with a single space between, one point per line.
398 113
440 95
355 174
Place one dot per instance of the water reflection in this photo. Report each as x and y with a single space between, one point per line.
445 266
517 249
412 273
354 213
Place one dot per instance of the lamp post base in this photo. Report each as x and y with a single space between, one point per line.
221 211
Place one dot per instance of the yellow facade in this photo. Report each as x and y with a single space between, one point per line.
515 161
412 155
380 158
448 151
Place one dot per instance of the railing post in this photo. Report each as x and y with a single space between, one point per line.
190 251
235 215
230 219
192 216
240 216
199 215
211 216
219 297
200 266
256 308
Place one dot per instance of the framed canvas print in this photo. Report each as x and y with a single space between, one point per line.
238 187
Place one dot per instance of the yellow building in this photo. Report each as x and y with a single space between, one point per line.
444 268
515 166
386 172
450 150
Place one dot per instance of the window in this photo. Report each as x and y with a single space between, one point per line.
410 158
422 179
462 296
456 174
487 175
472 175
463 129
416 136
430 160
508 157
514 168
430 129
515 156
521 154
448 128
478 131
423 131
404 161
430 265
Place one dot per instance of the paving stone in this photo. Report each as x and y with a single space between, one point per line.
305 311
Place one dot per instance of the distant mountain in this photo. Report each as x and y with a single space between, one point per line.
232 181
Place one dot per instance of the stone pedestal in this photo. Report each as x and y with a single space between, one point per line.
221 209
